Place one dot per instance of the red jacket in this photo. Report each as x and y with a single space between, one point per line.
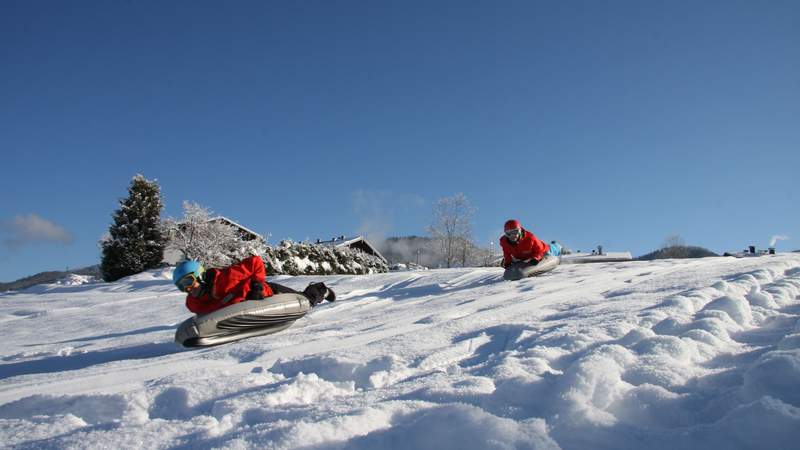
231 285
527 247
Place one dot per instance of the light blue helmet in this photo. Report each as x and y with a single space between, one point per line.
187 267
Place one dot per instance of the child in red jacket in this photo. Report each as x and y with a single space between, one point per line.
519 244
212 289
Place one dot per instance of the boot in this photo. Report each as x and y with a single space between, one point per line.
317 292
329 294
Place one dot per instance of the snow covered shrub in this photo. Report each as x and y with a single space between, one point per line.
135 242
300 258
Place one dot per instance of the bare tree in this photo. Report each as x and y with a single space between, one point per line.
452 228
674 247
489 256
673 240
213 243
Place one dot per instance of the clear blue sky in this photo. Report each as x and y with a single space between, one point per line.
615 123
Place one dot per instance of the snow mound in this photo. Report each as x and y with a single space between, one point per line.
775 374
457 426
76 280
735 307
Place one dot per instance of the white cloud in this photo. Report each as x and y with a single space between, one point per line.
30 228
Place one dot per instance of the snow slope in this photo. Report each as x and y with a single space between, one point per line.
658 355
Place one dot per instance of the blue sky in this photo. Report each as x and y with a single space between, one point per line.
615 123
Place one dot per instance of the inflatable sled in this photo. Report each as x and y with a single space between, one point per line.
242 320
522 269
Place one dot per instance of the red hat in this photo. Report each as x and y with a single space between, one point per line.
512 224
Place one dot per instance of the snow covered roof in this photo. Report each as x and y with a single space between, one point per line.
356 242
340 241
237 225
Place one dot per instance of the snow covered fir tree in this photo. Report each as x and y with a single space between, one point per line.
135 242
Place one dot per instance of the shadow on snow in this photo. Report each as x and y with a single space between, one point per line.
84 360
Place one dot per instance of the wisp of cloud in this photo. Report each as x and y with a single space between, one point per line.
376 210
30 228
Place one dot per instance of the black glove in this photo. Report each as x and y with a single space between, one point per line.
207 283
256 291
208 278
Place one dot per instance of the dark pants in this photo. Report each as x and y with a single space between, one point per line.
281 289
315 292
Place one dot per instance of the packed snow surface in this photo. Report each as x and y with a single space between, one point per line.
659 355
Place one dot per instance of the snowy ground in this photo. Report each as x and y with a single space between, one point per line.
658 355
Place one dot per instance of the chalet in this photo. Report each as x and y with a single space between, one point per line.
245 233
173 256
357 243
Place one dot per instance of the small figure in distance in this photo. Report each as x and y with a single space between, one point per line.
519 244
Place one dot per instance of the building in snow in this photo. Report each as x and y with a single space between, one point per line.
245 233
356 243
173 256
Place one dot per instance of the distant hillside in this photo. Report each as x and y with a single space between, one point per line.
678 251
47 277
409 249
422 250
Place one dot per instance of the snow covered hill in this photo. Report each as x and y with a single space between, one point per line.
658 355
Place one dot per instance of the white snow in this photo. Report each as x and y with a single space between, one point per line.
75 280
689 354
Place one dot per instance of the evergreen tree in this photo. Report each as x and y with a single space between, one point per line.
135 242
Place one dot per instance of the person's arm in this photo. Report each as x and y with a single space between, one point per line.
258 271
233 284
539 249
258 288
201 305
506 254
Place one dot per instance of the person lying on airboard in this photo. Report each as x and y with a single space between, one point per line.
213 289
519 244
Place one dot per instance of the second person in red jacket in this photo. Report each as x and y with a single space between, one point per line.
519 244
